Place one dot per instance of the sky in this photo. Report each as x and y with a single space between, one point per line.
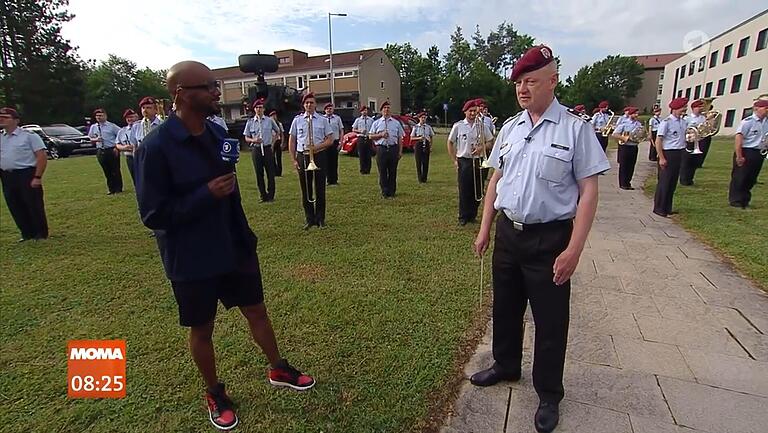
159 33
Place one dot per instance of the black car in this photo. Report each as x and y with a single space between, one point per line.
62 140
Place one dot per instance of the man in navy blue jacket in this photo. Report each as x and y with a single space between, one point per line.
191 199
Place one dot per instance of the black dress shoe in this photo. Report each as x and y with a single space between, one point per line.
663 215
547 417
492 376
321 224
307 226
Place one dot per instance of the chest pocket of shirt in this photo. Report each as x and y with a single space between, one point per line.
318 131
555 164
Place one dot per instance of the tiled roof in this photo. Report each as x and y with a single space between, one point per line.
652 61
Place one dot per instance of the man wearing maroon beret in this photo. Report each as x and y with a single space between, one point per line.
695 155
103 134
332 155
123 142
600 121
23 160
546 162
387 134
670 146
627 153
422 135
279 142
750 148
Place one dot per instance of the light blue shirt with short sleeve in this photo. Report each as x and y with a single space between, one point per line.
391 125
300 129
672 133
264 128
17 149
107 131
541 164
599 120
654 123
753 130
363 124
424 130
627 127
336 125
138 129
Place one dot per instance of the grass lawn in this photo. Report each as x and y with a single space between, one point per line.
740 235
380 307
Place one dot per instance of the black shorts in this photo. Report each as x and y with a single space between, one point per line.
198 299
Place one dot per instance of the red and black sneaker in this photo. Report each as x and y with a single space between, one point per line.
285 375
221 410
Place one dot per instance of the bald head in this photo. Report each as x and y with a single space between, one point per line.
185 73
193 88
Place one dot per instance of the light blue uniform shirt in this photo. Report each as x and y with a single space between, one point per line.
391 125
694 119
654 123
17 149
219 121
137 130
107 131
465 136
336 125
123 137
363 124
264 128
628 126
300 128
622 119
541 164
753 130
599 120
422 131
672 131
488 122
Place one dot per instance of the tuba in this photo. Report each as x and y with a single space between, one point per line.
606 130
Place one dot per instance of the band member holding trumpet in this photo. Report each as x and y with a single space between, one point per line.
670 146
601 121
277 146
332 155
467 144
387 133
104 134
653 126
750 150
692 158
123 141
422 135
260 132
486 116
150 120
310 135
544 188
362 127
629 133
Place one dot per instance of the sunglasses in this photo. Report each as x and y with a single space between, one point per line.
211 86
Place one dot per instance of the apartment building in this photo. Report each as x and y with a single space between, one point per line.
653 80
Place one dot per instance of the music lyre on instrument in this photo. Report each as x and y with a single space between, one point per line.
259 134
477 179
311 166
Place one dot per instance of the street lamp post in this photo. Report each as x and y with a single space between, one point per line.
330 50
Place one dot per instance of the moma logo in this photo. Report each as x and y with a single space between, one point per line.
95 353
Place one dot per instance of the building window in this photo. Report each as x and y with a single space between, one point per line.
721 87
381 61
381 84
299 83
691 68
661 76
679 93
708 90
315 77
754 79
284 60
702 62
727 51
697 92
682 71
743 47
661 89
762 40
729 116
713 59
688 93
736 83
344 74
746 113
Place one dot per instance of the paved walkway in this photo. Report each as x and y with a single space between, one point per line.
664 337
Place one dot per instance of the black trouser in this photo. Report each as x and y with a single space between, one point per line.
314 213
652 156
704 146
109 160
421 155
627 157
691 161
386 160
471 180
129 163
278 151
332 156
522 273
364 154
745 177
264 164
25 203
603 140
667 182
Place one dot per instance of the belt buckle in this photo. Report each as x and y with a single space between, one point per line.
517 226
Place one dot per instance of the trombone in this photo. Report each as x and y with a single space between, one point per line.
311 166
477 175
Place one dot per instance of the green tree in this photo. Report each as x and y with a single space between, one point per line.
615 79
460 56
504 46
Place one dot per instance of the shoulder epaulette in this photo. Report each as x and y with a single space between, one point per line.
512 118
583 116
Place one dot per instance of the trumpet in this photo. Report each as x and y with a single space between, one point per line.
311 166
606 130
477 175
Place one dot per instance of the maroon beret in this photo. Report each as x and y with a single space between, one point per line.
128 112
535 58
697 103
99 110
307 96
272 113
385 104
327 106
423 113
760 103
678 103
8 111
481 102
632 110
147 100
580 108
363 108
470 104
603 104
258 102
657 109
